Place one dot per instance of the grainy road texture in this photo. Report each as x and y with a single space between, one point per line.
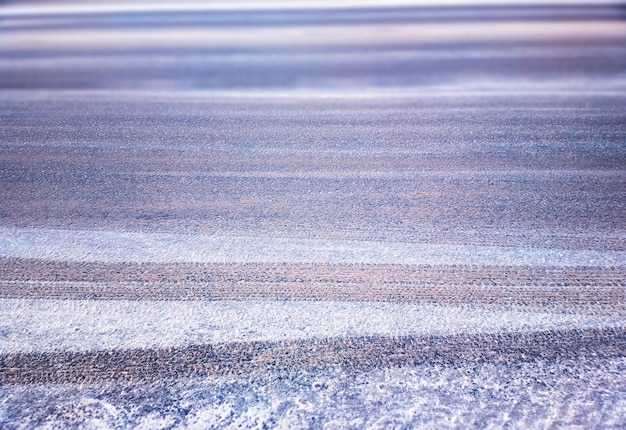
321 215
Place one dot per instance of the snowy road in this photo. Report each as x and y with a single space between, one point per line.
312 216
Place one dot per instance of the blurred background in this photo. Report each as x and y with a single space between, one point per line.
312 45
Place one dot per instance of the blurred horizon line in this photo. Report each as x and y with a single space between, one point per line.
114 6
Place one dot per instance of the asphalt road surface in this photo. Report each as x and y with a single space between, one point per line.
312 216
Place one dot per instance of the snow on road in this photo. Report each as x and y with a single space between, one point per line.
312 215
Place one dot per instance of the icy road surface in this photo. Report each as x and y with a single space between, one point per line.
312 215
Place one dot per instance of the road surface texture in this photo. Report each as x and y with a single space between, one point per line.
323 215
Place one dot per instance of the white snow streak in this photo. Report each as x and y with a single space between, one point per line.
28 325
116 246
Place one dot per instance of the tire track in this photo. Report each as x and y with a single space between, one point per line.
349 354
567 289
26 269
